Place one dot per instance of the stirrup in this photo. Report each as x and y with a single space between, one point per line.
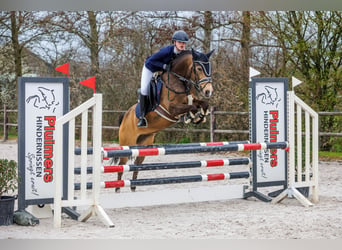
142 123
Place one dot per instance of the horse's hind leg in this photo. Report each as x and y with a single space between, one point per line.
123 161
138 160
142 140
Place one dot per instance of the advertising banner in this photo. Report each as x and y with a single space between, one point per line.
41 102
269 124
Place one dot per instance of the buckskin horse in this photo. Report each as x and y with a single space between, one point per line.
187 79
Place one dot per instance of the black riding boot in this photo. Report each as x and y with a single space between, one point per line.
142 123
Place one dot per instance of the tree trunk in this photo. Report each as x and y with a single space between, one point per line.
17 49
208 22
245 43
94 44
16 46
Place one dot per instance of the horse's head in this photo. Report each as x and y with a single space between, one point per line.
202 72
194 68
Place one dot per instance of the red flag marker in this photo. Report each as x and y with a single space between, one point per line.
64 69
90 83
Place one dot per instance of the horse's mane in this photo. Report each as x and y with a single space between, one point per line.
198 56
181 54
184 52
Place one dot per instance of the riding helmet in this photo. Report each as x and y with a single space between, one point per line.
180 36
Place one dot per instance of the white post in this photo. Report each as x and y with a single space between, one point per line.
97 152
315 149
58 174
297 147
71 160
93 202
97 164
291 134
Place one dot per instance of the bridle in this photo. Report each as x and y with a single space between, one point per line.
188 83
207 73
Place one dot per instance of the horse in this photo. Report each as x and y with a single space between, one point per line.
187 78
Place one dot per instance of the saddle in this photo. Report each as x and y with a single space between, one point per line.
153 104
156 85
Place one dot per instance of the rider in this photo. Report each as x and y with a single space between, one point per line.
158 62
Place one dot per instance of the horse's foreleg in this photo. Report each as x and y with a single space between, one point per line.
202 105
196 112
180 109
200 115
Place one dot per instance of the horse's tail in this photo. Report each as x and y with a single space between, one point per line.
116 160
121 118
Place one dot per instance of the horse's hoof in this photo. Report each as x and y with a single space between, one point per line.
197 120
117 190
187 121
133 189
206 112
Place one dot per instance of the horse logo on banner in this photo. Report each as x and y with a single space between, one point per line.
44 99
269 97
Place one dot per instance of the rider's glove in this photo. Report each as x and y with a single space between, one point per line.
166 67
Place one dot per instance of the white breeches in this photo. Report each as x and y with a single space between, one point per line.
146 77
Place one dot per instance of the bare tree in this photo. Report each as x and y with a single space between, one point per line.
19 30
311 43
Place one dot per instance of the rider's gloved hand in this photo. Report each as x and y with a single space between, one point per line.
166 67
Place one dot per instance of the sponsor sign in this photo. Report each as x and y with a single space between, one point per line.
269 124
41 102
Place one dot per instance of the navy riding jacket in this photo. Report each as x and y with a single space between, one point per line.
157 61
